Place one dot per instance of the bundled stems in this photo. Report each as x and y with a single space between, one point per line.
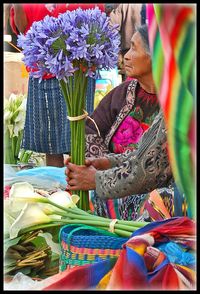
74 91
77 216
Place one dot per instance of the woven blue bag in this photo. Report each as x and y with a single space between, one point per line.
81 244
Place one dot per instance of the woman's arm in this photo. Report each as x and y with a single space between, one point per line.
20 18
6 17
144 170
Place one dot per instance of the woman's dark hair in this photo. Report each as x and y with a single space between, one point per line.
143 31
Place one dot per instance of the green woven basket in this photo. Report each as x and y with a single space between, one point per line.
81 244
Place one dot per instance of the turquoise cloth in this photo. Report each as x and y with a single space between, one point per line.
56 173
177 254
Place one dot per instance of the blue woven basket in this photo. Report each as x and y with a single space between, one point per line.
81 244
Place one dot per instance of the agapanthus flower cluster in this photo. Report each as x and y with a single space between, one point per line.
79 38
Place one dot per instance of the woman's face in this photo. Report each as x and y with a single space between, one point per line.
137 62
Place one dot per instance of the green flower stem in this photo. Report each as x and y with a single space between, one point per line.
9 155
77 216
18 144
40 226
73 221
26 156
77 213
124 222
74 91
101 222
23 151
13 144
122 233
80 215
66 95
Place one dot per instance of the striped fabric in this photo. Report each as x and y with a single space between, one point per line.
172 42
47 129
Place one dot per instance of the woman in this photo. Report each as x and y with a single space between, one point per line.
128 17
121 119
129 109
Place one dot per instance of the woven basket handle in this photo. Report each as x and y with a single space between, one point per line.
85 227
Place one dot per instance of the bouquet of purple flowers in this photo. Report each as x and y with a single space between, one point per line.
72 47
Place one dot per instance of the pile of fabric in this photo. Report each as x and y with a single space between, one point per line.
159 256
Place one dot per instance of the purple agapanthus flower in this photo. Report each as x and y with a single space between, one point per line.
59 45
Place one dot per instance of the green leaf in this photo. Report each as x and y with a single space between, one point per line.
39 242
54 231
9 263
9 269
26 270
10 242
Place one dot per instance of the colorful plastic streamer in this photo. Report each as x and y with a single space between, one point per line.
172 36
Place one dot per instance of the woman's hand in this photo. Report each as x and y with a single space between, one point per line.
102 163
80 177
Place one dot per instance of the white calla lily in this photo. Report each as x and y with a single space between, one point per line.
22 107
8 221
10 129
30 215
64 199
7 115
55 247
20 117
18 128
61 198
23 192
9 215
12 98
14 119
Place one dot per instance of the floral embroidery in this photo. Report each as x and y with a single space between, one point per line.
128 134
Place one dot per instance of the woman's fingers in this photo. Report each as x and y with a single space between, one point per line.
80 177
72 188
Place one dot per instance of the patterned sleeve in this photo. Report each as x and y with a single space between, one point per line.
118 159
144 170
95 146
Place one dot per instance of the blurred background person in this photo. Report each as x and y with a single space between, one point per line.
7 30
128 16
47 129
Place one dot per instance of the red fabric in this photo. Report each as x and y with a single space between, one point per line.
166 278
72 6
36 12
6 191
129 79
67 280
